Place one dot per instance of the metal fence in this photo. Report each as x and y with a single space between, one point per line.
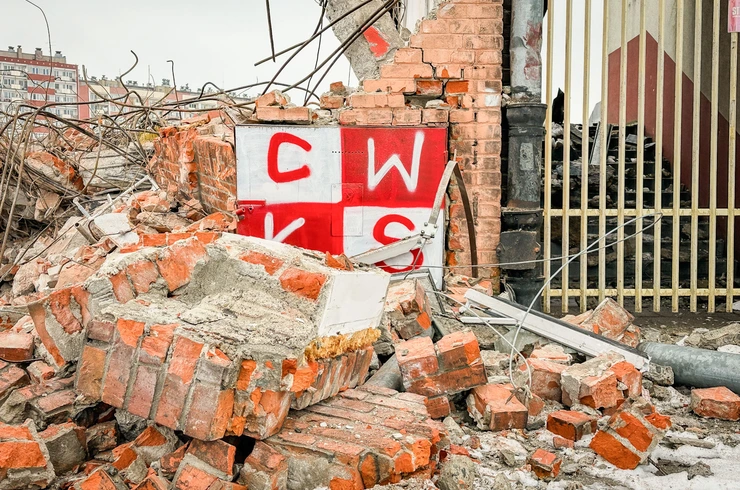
687 258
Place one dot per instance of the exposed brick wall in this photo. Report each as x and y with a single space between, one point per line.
450 75
198 164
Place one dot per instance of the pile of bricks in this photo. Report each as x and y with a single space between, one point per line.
610 320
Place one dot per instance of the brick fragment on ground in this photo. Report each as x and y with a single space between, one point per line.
408 309
571 425
610 320
552 353
24 459
362 437
545 464
495 407
545 377
103 478
592 383
631 434
717 403
292 337
66 445
16 346
50 403
451 366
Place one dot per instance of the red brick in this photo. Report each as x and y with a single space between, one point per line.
418 70
497 407
406 117
101 330
16 347
559 442
450 382
122 289
331 101
177 262
152 482
142 395
438 407
303 283
218 454
271 264
191 478
170 462
100 480
609 448
180 372
608 319
454 87
11 377
628 375
289 114
142 275
90 373
407 55
417 358
429 116
718 403
545 464
458 349
571 425
274 98
102 437
395 86
545 378
428 87
209 412
40 372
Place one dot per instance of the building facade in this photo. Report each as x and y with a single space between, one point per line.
36 79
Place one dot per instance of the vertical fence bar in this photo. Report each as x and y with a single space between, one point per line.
605 134
658 168
695 155
713 159
640 158
677 121
732 116
547 219
584 153
566 152
622 142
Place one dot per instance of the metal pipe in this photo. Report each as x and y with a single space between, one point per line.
700 368
525 115
524 50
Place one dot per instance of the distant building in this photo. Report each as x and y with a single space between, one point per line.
37 79
97 90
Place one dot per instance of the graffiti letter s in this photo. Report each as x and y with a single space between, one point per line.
272 158
380 236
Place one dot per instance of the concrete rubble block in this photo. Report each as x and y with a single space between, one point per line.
717 403
631 434
408 309
545 377
60 320
715 338
457 473
220 335
451 366
496 362
66 445
360 438
592 383
571 425
495 407
545 464
24 459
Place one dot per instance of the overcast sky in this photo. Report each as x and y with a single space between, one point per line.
218 40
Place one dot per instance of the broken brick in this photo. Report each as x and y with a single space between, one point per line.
66 445
407 307
545 464
24 459
545 377
16 347
630 434
494 407
570 424
718 403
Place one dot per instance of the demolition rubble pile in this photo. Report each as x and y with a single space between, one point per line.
193 358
